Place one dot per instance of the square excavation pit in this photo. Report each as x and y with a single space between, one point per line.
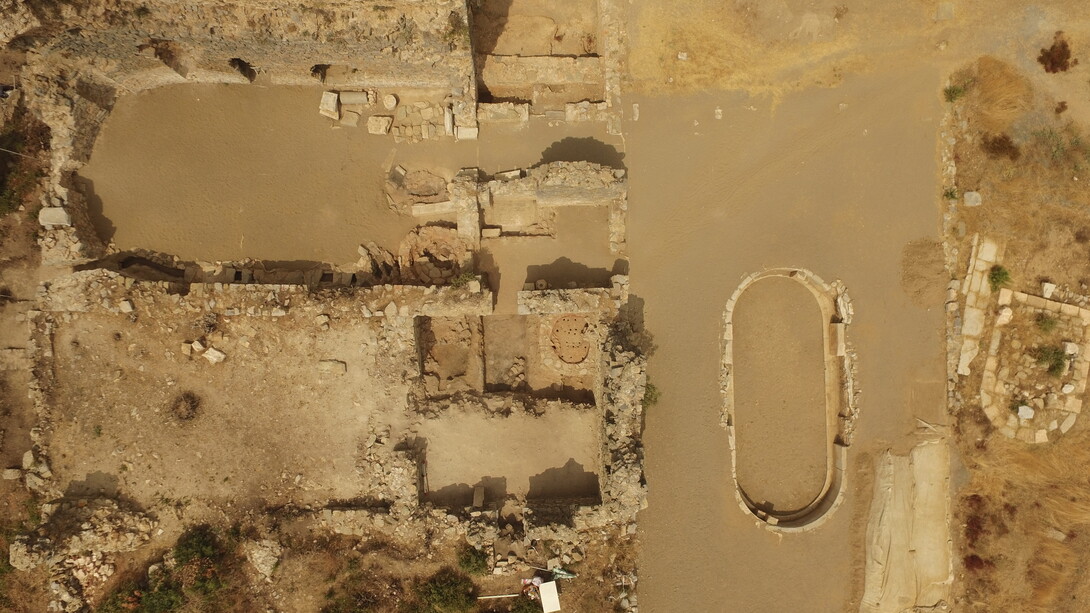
549 457
280 419
526 353
1035 375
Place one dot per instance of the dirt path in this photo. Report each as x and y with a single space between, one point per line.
779 394
837 189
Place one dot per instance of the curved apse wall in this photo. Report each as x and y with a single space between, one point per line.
789 396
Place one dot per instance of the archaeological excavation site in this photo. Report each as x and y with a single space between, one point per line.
515 306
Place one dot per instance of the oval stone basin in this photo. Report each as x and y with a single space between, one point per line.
780 411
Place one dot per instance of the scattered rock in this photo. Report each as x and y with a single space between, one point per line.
51 216
332 367
379 124
263 556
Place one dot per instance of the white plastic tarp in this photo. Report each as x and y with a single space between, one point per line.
550 600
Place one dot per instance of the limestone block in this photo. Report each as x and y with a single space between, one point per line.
1006 314
350 119
379 124
988 250
214 356
332 367
973 324
971 199
466 133
1068 422
356 98
1047 289
54 216
328 107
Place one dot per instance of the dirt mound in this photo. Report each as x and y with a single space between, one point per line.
1002 93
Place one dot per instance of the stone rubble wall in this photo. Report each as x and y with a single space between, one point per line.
78 543
101 290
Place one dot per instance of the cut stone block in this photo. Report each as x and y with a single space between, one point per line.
973 324
465 133
328 107
1006 314
972 199
350 119
1047 289
379 124
54 216
126 306
988 250
1068 422
214 356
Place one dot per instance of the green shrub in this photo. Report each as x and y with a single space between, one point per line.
199 542
651 395
463 279
472 560
447 591
1046 323
998 277
953 92
1053 357
950 193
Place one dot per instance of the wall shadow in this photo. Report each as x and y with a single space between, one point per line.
487 21
487 265
569 481
104 227
461 494
584 149
563 272
94 485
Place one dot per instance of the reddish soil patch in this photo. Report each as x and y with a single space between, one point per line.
1057 58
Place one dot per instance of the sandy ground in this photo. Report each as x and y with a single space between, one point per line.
554 455
779 394
838 190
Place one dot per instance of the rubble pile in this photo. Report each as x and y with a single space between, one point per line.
76 542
